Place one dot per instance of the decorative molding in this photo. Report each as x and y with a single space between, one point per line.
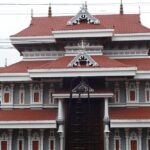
83 15
42 55
84 58
131 53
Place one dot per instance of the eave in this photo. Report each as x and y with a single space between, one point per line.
32 39
86 72
131 37
130 123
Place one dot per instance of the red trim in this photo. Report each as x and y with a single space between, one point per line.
130 113
28 114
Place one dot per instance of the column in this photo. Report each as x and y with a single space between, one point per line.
127 91
140 139
11 94
137 91
42 138
31 101
10 139
41 93
127 138
60 110
29 139
60 121
61 134
106 125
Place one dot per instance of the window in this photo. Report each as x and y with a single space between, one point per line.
51 141
117 140
20 143
36 94
4 141
21 95
133 141
6 95
147 92
117 93
35 141
132 92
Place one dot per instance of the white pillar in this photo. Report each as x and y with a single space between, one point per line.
31 100
127 138
62 140
140 139
29 139
10 139
137 91
41 93
60 110
60 120
106 125
11 94
42 138
127 91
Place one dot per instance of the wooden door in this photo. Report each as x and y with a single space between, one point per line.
35 145
20 145
51 144
3 145
133 145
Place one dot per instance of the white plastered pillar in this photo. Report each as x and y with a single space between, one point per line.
106 125
127 138
10 139
60 121
140 138
41 138
29 139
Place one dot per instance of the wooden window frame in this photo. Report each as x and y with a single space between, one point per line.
132 88
21 92
36 89
52 138
35 137
133 137
117 137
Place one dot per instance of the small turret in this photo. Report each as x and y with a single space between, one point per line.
49 11
121 8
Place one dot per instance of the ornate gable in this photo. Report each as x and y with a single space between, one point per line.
82 59
82 87
83 16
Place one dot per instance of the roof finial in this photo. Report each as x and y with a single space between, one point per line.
121 8
85 5
31 13
5 62
139 14
49 10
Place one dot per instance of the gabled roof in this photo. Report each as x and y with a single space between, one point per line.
122 24
22 66
141 63
102 62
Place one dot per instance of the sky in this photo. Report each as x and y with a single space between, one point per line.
14 18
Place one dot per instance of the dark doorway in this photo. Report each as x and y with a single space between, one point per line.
84 124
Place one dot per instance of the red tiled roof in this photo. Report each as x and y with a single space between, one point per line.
22 66
130 113
28 114
103 62
43 26
140 63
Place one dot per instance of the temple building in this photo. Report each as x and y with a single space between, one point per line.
83 84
